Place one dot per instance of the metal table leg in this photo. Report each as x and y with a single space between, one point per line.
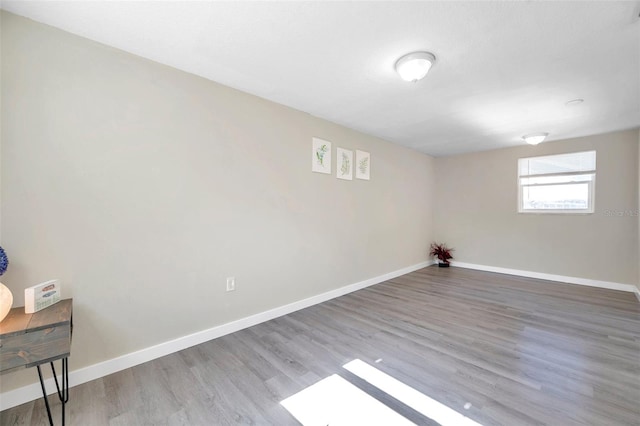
63 393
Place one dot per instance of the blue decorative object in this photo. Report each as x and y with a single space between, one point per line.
4 261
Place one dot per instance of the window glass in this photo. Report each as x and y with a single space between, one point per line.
557 183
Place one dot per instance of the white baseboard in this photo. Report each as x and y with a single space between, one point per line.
637 292
551 277
76 377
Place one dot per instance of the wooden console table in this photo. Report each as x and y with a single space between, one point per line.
30 340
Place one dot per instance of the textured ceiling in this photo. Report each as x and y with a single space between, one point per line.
504 69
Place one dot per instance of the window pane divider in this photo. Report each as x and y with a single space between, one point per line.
586 172
554 183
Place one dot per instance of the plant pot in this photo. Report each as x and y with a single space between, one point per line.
443 265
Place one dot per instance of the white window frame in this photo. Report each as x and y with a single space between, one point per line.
591 187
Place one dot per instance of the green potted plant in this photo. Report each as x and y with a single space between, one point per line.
442 252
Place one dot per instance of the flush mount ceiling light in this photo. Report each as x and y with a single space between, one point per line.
574 102
535 138
415 66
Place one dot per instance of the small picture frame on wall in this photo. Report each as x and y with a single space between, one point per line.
363 165
320 156
344 168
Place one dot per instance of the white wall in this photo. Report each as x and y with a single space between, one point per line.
476 213
142 188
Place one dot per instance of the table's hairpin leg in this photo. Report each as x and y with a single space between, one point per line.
63 393
44 394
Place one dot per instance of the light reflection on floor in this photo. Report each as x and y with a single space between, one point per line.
409 396
334 401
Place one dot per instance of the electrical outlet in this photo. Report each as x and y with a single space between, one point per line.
231 283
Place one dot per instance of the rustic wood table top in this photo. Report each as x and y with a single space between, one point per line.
28 340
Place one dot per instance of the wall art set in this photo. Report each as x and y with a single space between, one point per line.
346 164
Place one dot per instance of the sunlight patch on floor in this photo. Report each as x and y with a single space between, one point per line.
420 402
336 402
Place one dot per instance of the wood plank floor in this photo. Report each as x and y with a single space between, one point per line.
520 351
